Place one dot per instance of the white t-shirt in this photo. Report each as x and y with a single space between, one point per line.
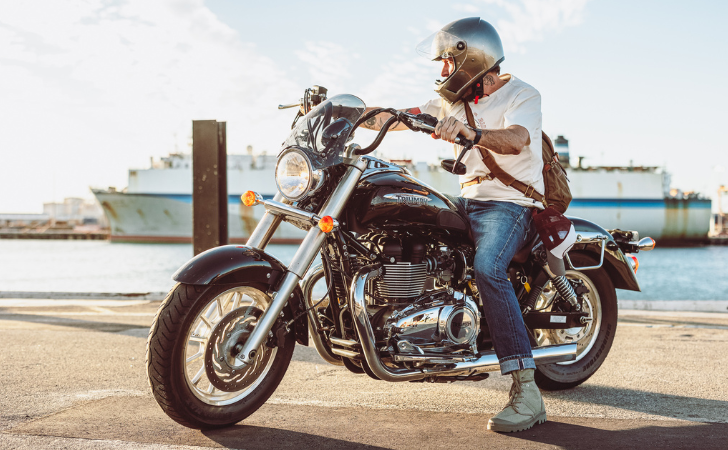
515 103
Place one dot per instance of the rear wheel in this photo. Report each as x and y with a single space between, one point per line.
191 355
594 340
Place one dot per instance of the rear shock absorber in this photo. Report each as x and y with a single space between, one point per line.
560 283
566 291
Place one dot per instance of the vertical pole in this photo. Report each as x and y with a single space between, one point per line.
222 182
209 185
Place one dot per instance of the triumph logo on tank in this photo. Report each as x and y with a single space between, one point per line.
408 199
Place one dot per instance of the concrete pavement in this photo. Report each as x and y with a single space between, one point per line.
73 377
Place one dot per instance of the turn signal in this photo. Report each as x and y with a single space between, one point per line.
249 198
326 224
633 261
646 244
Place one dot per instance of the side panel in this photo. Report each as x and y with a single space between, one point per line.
231 264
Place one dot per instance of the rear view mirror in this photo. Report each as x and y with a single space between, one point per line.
454 167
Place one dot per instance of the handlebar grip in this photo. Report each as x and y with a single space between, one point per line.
462 140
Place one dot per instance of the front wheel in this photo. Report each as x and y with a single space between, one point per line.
191 355
593 340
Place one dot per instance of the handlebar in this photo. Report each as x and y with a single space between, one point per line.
420 123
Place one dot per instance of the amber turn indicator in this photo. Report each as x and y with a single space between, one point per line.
635 261
326 224
249 198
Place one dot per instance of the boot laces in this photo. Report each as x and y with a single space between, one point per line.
515 395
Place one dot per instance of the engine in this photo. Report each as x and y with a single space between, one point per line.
416 309
444 321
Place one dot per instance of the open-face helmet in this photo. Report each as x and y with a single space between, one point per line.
475 48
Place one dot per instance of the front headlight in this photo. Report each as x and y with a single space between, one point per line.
294 176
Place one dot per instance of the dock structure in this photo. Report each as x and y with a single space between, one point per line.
65 235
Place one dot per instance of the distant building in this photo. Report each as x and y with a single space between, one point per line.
75 212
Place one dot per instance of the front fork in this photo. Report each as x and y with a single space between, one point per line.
304 256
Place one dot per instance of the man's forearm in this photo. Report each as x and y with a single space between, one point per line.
507 141
377 122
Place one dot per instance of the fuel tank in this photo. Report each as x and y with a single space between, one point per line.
393 199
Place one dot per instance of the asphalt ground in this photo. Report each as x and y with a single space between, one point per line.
73 376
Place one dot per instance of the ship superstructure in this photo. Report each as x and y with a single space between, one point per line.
157 204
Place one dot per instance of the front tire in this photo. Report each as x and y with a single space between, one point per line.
593 340
191 355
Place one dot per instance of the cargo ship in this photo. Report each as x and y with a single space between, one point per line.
156 206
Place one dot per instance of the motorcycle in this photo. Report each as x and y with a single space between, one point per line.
401 303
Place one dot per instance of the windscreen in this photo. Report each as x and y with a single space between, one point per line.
324 131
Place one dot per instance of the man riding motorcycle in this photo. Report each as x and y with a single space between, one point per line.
502 115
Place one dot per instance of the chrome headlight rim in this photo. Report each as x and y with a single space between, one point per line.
315 179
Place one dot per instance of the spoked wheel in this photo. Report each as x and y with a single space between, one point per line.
593 340
192 352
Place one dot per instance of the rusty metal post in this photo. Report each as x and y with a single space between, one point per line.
209 185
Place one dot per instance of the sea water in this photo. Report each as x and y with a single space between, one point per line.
699 273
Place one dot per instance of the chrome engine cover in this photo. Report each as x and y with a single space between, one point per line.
442 321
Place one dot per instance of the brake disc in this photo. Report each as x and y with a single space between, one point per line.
223 369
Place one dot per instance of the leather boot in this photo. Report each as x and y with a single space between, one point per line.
525 407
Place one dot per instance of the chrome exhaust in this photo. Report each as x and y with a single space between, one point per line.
484 362
324 351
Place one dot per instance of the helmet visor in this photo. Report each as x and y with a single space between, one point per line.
441 45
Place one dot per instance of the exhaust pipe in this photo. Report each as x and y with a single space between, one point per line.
324 351
484 362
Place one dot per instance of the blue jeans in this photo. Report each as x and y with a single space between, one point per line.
499 230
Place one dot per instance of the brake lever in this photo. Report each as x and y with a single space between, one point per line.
414 123
291 105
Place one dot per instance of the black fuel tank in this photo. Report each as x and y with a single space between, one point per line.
392 199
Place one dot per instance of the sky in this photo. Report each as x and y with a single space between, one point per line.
92 88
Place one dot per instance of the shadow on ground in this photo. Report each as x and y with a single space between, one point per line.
91 325
654 403
140 420
265 438
610 433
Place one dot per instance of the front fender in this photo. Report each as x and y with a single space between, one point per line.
236 264
615 263
231 264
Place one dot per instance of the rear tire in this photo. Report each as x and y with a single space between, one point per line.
184 337
592 348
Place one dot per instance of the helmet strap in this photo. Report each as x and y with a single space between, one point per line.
478 92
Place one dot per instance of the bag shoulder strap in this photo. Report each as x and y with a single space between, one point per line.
498 172
548 142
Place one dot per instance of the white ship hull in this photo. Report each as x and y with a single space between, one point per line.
165 218
157 205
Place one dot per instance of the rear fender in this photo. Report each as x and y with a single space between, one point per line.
236 264
615 262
